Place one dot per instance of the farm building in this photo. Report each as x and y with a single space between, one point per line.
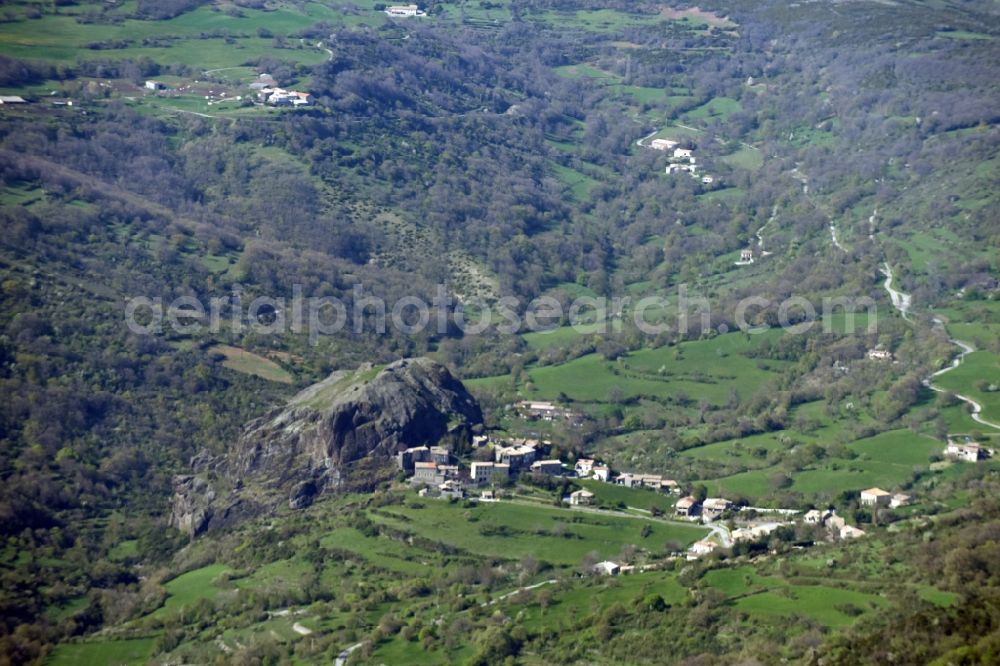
966 451
404 10
607 568
874 496
686 506
663 144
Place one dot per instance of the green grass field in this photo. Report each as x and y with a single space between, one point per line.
745 158
978 369
611 495
718 107
107 653
190 587
510 531
707 369
821 603
249 363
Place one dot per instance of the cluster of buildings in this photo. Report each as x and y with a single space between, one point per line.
709 510
682 160
269 93
434 466
282 97
835 525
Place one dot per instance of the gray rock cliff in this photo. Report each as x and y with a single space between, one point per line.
337 435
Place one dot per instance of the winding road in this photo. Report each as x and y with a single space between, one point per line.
902 302
346 654
955 362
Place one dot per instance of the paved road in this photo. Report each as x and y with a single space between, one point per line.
346 654
640 143
900 301
955 362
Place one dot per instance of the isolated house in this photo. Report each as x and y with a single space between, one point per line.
880 354
746 255
678 168
581 497
967 451
601 473
875 496
404 10
546 411
663 144
607 568
152 84
583 467
683 153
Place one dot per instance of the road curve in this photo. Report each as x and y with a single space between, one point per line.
955 362
342 658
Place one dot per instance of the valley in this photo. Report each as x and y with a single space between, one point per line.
730 271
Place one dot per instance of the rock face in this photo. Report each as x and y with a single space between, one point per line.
340 434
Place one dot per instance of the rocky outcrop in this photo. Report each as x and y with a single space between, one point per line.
192 507
340 434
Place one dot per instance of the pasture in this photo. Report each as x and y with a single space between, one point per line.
248 363
190 587
611 495
705 369
124 652
976 378
507 530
